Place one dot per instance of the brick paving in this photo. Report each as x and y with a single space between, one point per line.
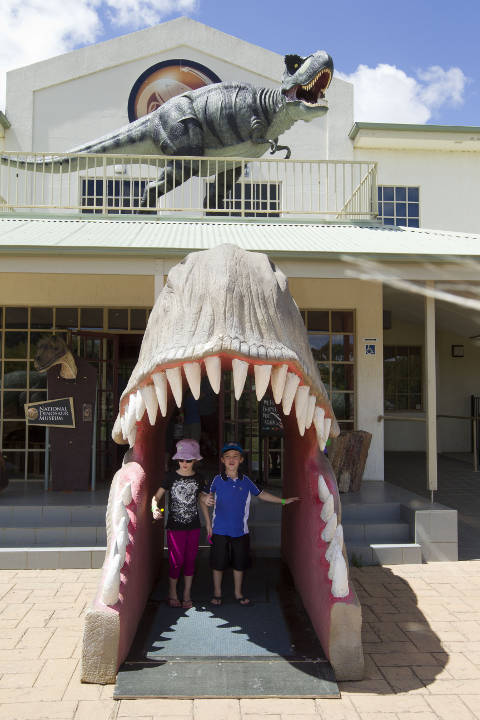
421 641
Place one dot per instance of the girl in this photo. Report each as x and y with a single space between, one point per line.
183 524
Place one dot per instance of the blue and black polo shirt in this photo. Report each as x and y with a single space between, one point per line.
232 504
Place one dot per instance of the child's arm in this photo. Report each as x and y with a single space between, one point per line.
156 500
269 497
206 514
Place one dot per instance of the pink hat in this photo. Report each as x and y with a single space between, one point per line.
187 450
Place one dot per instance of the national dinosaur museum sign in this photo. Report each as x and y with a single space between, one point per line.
51 413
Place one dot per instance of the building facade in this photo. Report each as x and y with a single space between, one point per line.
360 220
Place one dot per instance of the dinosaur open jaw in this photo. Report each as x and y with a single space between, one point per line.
313 91
165 385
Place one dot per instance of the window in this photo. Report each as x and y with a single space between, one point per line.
402 372
332 340
259 200
399 205
124 194
21 328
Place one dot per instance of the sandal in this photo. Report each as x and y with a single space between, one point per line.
187 604
243 601
216 600
173 602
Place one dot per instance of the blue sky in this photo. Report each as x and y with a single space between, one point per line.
410 61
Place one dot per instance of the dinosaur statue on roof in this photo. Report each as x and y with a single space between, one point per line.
227 119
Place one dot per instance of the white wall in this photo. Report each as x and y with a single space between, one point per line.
448 182
366 299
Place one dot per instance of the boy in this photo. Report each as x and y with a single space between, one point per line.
229 495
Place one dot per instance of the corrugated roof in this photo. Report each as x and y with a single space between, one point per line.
166 237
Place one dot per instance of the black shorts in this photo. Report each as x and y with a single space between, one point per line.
226 550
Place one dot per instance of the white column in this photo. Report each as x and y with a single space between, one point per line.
430 390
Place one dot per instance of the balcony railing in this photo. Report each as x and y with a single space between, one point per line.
188 186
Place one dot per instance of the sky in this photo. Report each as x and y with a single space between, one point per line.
414 61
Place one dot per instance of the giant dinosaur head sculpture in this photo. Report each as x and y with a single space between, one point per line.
227 308
305 82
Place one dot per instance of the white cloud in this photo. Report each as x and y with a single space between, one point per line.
387 94
33 30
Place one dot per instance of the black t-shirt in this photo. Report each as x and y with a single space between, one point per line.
183 492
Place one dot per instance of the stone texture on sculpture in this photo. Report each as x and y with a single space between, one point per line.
227 119
229 310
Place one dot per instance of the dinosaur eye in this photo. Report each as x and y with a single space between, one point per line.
292 63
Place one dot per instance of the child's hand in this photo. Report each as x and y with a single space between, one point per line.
210 501
156 511
287 501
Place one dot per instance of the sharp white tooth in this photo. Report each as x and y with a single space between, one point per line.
151 403
132 435
160 382
262 378
240 370
213 366
323 491
139 406
174 377
301 398
334 558
279 376
291 385
329 529
310 410
337 541
319 422
328 509
340 578
193 373
130 415
326 429
122 424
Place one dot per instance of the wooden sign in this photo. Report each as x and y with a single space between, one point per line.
270 419
51 413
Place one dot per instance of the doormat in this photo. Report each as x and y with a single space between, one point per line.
229 651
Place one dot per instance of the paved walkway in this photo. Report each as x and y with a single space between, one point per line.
422 645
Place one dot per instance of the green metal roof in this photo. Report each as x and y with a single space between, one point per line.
166 237
399 127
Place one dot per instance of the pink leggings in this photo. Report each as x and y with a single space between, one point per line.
182 551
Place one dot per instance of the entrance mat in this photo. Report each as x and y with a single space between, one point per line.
211 678
267 650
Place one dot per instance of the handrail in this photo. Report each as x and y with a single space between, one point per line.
473 418
114 184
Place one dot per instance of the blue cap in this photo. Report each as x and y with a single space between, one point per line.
232 446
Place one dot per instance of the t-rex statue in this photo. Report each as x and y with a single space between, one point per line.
225 310
53 350
227 119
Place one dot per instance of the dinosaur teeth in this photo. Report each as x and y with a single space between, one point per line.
286 389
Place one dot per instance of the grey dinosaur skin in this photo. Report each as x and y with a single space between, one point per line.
228 119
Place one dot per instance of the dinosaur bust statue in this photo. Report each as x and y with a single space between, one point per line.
221 120
53 350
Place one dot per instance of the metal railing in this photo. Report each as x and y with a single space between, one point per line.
474 419
116 184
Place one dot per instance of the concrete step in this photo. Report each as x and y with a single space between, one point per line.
51 558
53 536
370 512
51 515
376 532
384 554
